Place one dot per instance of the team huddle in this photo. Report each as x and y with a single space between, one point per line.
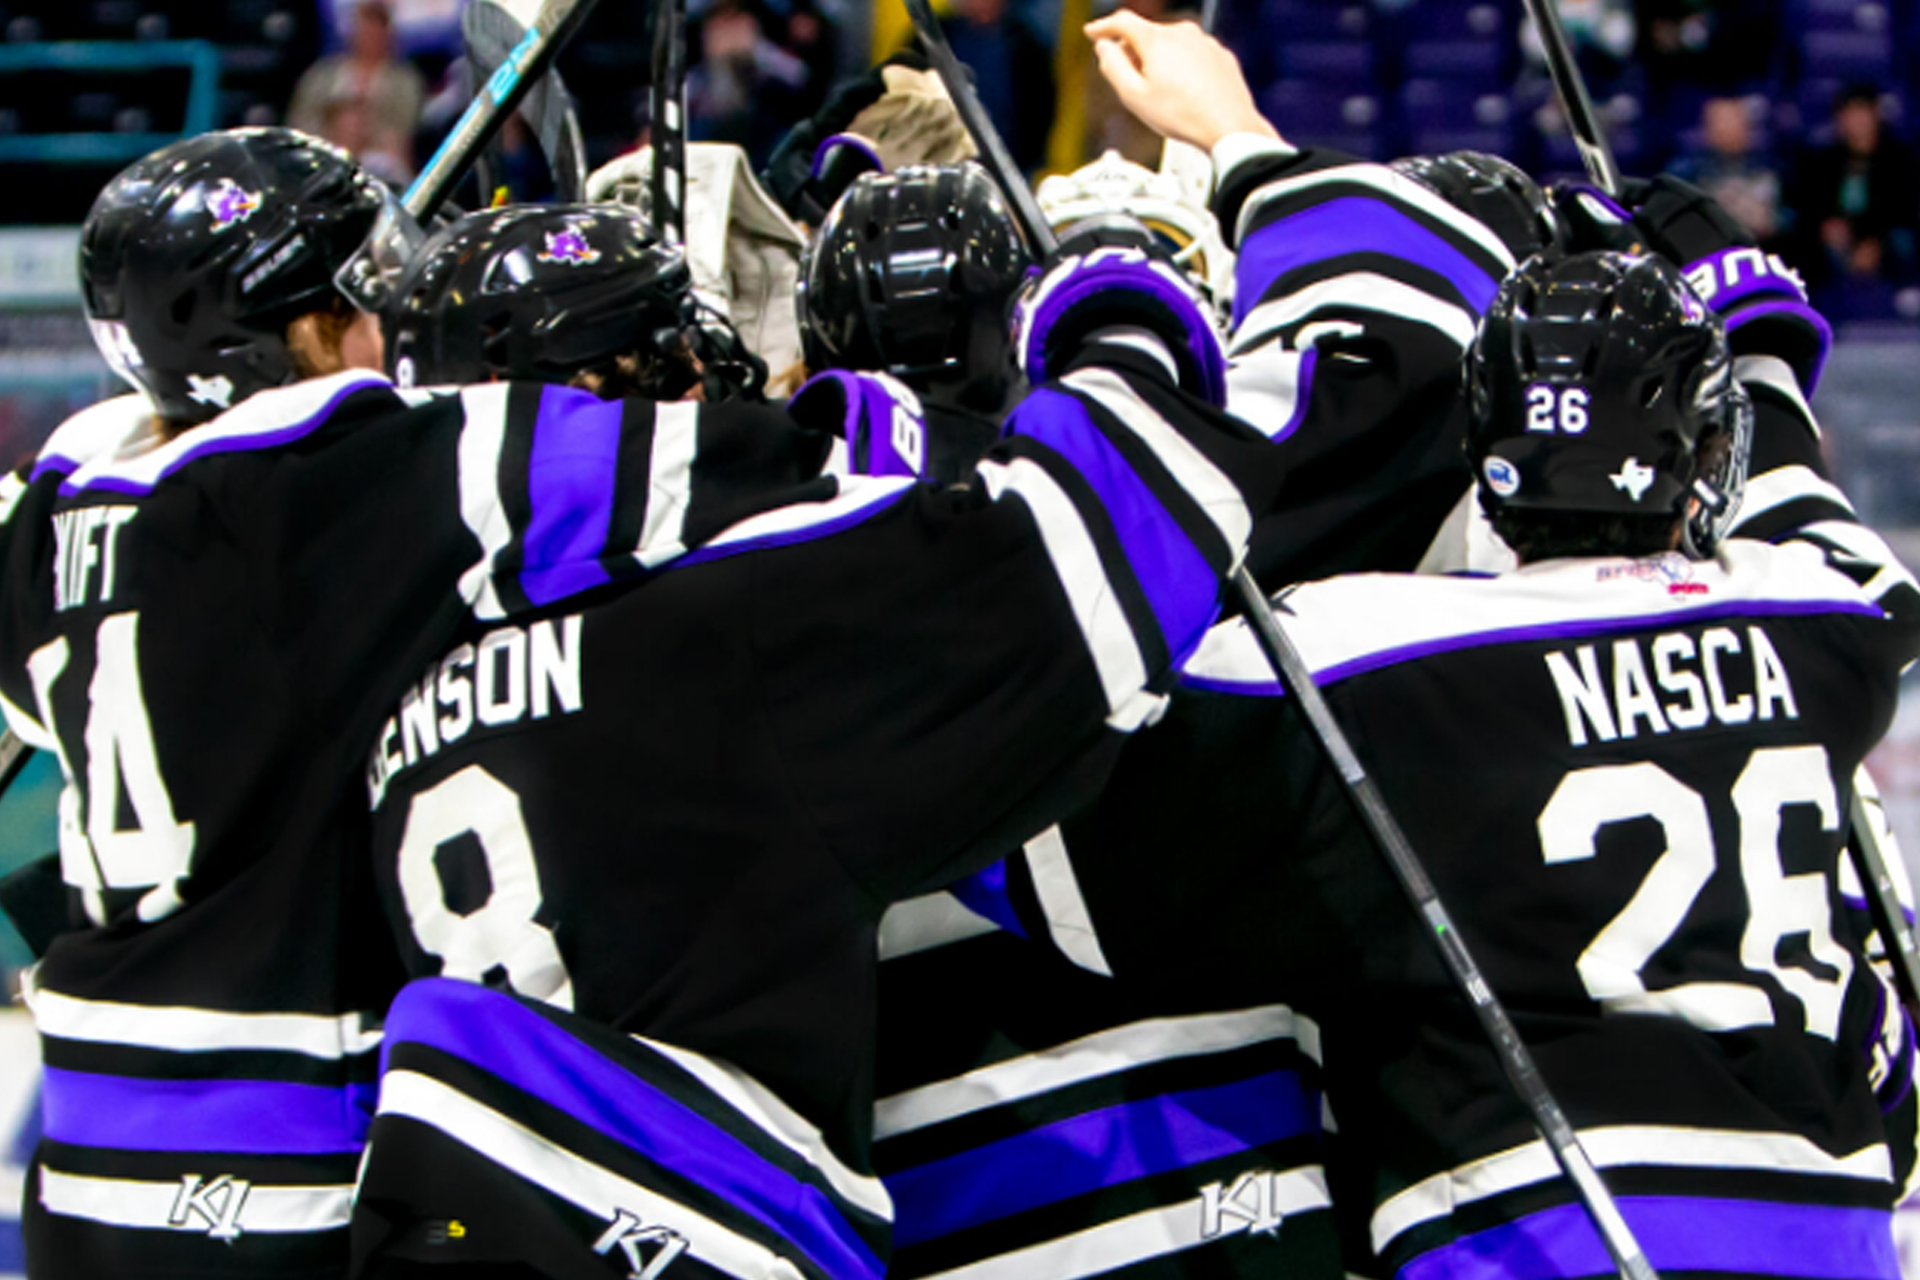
538 804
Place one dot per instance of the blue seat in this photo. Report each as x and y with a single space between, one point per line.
1311 110
1426 142
1348 62
1453 104
1482 60
1848 55
1288 20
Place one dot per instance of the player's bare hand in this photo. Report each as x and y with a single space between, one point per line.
1179 80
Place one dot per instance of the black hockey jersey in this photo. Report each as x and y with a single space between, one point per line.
1629 780
207 633
1357 291
1037 1120
680 812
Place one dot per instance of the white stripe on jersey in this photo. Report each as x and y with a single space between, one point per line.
11 487
601 1192
1394 186
203 1207
1089 1058
186 1030
1862 544
1151 1234
1782 485
25 727
1076 563
923 923
676 439
1381 617
755 1102
1774 373
1068 920
263 414
1359 290
857 494
1615 1146
482 437
1190 469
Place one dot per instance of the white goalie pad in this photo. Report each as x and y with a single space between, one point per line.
743 250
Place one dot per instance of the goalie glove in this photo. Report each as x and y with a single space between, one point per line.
1103 277
1762 300
878 417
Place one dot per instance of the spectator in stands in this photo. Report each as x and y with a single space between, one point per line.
1013 70
389 90
746 88
1856 201
1733 169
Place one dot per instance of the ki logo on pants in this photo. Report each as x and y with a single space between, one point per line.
628 1234
217 1203
1250 1203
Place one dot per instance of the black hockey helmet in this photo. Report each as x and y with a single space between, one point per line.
194 260
1497 192
912 274
1601 383
540 293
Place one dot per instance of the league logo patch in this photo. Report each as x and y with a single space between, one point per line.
1633 478
1502 476
230 205
570 247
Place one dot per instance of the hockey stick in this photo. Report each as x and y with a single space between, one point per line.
1582 121
13 758
1294 677
667 180
492 29
525 63
1883 900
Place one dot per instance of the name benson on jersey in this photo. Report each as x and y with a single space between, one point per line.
1615 711
508 675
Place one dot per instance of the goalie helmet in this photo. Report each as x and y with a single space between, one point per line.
913 274
194 260
1165 201
1601 383
542 293
1497 192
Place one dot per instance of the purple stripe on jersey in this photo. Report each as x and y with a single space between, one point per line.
1800 312
570 477
1351 224
232 1117
1102 1148
883 501
1751 1237
1860 904
52 462
985 893
1181 589
1586 629
207 448
1302 395
505 1038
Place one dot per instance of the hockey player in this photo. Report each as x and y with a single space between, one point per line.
912 275
651 837
569 295
213 591
1627 769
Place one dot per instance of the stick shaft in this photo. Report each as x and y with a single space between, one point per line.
667 182
1515 1059
1582 121
993 148
558 22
